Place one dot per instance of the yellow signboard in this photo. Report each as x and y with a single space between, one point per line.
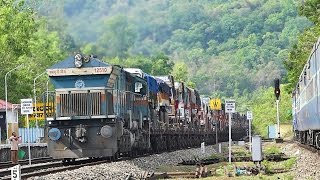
215 104
39 109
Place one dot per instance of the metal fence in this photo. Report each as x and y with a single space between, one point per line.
35 134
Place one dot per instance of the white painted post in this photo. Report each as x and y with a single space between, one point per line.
219 147
6 92
26 109
250 117
278 118
35 102
216 127
230 140
230 107
29 139
16 172
250 140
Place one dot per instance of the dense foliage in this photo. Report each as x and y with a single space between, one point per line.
263 106
225 48
24 39
302 49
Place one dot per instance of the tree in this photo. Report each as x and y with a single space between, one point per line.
24 39
301 50
180 71
264 109
118 35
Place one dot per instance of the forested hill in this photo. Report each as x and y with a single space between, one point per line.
227 46
231 48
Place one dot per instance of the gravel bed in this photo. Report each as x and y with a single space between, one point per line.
150 163
114 170
308 164
121 170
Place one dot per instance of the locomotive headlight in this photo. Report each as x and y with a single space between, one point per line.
78 60
106 131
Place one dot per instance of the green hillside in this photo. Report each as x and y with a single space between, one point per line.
230 47
224 48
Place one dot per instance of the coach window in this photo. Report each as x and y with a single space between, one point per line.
137 87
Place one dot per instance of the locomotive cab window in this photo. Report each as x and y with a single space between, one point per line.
137 87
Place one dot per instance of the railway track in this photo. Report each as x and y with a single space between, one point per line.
8 164
54 167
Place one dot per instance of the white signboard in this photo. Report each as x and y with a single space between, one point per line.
16 172
230 106
249 115
26 106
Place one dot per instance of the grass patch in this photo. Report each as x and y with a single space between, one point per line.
272 150
270 166
241 153
218 156
288 164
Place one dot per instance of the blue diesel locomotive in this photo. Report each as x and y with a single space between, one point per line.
103 110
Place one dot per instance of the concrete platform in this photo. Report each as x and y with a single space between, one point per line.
37 150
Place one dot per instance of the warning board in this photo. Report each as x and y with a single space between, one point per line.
39 110
215 104
230 106
26 106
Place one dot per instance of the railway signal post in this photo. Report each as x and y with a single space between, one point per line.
277 94
230 108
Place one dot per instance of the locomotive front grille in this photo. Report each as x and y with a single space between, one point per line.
80 104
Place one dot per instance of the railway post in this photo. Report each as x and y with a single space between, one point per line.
230 107
35 102
26 109
249 118
16 172
6 92
278 118
277 94
216 128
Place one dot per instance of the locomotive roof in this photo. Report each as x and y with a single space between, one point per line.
69 63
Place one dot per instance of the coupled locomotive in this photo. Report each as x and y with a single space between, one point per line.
103 110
